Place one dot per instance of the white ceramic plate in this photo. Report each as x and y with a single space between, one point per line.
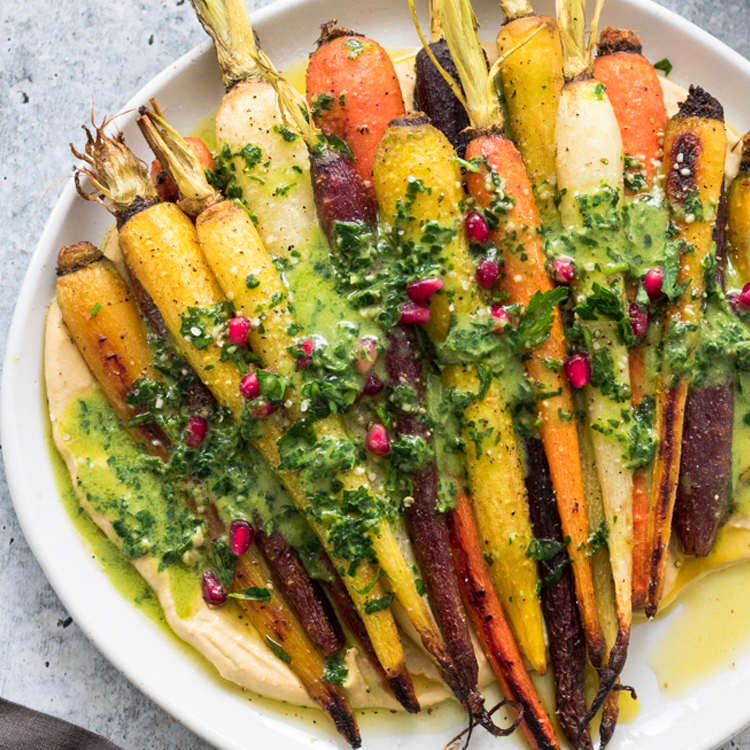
189 90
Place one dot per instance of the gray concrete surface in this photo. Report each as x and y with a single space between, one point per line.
54 59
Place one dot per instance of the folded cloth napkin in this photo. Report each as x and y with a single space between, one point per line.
24 729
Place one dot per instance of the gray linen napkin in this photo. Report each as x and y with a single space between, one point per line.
24 729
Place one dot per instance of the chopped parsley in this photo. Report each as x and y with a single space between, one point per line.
253 594
664 65
335 672
378 604
278 650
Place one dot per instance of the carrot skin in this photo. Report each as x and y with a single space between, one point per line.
274 620
706 461
566 640
610 714
641 498
637 99
429 531
340 194
400 684
705 466
304 594
696 139
353 82
521 280
493 630
434 97
636 95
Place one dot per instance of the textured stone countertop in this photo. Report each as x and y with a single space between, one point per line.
52 64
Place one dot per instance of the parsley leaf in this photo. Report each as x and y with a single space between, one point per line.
380 603
253 594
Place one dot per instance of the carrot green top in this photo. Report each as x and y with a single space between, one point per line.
228 24
578 57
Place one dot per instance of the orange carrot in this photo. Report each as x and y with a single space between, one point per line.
353 91
164 184
492 628
637 99
525 275
640 491
636 95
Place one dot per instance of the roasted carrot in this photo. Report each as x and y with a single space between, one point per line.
634 90
641 486
103 320
353 91
491 626
499 174
590 176
164 184
415 166
706 461
256 155
532 80
694 153
230 251
84 272
281 630
429 531
567 646
601 568
637 98
304 594
738 216
433 94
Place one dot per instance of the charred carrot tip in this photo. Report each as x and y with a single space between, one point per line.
330 31
75 257
403 690
618 40
700 103
340 712
609 677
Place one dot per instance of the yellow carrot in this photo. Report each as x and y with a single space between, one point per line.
415 167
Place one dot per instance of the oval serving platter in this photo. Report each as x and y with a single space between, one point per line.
700 718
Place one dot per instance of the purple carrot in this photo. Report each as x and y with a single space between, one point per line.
567 645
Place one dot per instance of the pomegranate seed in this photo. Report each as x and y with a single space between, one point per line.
488 272
563 270
195 431
262 408
578 369
366 354
249 386
377 441
421 290
307 347
638 319
373 385
239 327
652 283
502 320
213 590
413 314
477 229
743 298
241 535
